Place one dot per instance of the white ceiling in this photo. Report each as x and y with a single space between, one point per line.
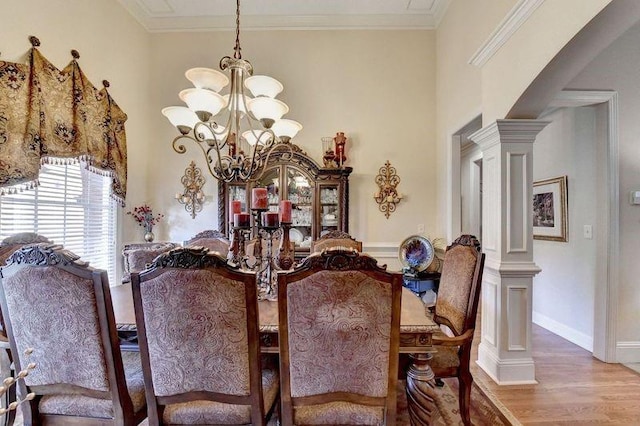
212 15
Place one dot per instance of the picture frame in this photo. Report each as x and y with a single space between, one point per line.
550 207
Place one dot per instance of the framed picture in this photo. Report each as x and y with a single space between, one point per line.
550 209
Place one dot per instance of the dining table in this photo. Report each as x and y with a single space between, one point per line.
416 330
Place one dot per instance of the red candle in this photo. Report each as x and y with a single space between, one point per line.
235 206
259 198
285 211
241 220
270 219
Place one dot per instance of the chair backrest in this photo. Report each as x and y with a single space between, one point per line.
335 239
136 256
459 288
14 242
339 326
211 239
198 331
59 306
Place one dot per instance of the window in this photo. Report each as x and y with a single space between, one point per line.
71 207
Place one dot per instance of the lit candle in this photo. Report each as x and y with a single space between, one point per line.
235 206
285 211
270 219
241 220
259 198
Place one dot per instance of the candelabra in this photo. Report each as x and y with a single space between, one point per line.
267 226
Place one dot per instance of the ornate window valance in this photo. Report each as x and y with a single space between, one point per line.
49 113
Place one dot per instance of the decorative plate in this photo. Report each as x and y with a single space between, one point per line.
416 252
296 236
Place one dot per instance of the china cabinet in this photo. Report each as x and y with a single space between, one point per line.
319 196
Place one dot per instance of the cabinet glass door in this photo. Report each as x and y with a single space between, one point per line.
271 180
300 193
329 210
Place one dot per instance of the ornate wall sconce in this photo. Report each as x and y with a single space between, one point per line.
387 196
192 197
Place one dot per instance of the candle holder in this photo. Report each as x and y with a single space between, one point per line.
285 259
387 195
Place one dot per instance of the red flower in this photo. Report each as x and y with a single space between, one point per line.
144 216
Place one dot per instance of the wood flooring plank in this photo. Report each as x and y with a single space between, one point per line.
573 387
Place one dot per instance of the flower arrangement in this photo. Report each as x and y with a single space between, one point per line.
10 381
144 216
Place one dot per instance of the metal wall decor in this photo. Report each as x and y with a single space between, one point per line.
387 196
192 197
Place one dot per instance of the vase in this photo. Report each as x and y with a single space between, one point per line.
148 236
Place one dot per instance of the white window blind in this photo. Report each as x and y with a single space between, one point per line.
71 207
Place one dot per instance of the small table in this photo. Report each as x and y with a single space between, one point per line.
416 329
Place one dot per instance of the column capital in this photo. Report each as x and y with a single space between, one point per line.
508 131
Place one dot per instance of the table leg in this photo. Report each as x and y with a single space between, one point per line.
420 389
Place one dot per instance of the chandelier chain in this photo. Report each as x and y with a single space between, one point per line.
237 49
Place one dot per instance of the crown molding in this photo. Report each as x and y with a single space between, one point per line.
516 17
162 20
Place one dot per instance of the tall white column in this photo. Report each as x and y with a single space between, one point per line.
507 240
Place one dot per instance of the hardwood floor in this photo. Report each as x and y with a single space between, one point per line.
573 387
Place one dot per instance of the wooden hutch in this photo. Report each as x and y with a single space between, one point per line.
319 196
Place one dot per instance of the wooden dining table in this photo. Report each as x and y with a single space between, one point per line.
416 329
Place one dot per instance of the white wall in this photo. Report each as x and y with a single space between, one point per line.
376 86
616 68
563 293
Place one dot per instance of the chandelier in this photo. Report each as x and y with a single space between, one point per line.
253 126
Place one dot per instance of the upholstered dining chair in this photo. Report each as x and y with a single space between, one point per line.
339 331
136 256
455 311
197 321
211 239
59 306
335 239
7 246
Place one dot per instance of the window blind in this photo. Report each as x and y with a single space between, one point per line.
71 207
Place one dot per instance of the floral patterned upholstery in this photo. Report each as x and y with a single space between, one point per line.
455 311
455 285
56 305
84 406
215 241
74 323
196 331
335 239
338 324
137 256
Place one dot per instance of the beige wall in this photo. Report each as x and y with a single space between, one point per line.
467 24
465 91
376 86
112 46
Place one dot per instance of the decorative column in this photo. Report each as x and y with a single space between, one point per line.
507 240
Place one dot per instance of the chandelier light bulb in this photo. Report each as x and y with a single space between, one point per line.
267 108
258 136
181 117
207 78
286 128
263 85
203 100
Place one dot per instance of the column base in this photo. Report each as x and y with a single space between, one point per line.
519 371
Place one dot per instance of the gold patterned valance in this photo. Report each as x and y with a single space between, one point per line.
49 113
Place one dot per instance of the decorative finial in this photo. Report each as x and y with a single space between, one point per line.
75 54
34 41
105 83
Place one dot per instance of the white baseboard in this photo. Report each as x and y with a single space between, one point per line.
519 371
574 336
627 352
